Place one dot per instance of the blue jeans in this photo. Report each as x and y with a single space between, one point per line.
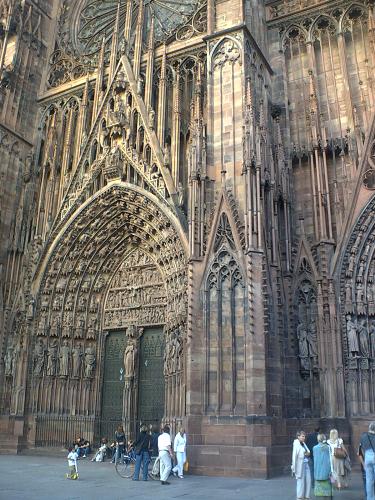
370 474
143 457
119 451
83 451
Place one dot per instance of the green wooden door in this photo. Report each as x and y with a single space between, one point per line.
113 384
151 377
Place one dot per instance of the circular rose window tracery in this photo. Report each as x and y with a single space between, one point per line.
97 19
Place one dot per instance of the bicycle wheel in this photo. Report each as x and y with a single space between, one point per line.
154 473
125 467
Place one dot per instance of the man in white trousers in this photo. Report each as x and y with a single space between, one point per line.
165 454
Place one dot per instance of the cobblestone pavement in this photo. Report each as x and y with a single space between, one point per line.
35 478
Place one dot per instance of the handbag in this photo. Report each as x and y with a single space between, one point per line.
339 453
333 477
186 466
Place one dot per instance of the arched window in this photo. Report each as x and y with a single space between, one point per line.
226 311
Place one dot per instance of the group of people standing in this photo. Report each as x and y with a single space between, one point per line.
325 464
319 462
151 443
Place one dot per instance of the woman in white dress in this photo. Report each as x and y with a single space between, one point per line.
179 447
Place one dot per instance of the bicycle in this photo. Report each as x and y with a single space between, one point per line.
126 465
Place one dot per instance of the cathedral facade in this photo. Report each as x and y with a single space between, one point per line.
187 223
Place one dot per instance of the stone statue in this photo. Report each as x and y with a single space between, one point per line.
129 360
302 341
131 331
363 339
28 167
352 336
76 360
151 118
39 358
31 308
180 192
167 156
64 359
140 85
90 359
52 359
312 340
8 360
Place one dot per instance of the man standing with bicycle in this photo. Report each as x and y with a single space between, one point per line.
142 450
165 455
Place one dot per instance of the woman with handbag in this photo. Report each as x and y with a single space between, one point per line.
300 466
338 455
322 469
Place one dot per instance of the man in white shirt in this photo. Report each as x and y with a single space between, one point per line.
165 454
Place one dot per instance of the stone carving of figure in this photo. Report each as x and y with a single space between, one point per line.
131 331
302 341
167 155
361 270
151 118
348 297
64 359
140 85
31 308
90 360
351 329
180 192
8 360
104 138
28 167
39 358
349 271
129 360
363 339
52 359
312 340
76 360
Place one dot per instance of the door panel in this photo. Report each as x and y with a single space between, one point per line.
151 377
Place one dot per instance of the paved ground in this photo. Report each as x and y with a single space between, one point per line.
35 478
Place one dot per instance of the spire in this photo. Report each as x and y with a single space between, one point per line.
115 36
138 40
128 21
150 64
99 80
85 97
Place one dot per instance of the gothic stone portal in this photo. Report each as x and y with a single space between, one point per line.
118 265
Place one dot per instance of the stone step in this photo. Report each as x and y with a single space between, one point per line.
45 452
